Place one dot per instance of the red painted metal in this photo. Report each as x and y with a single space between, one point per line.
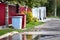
23 19
23 9
12 12
2 14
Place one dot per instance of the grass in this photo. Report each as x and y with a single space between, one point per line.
33 24
28 26
4 31
53 17
58 16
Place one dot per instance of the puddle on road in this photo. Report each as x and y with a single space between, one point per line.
32 37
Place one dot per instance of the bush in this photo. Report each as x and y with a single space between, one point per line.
35 19
29 17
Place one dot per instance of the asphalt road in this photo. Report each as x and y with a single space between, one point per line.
53 25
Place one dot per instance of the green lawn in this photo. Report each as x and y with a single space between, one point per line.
33 24
4 31
28 26
53 17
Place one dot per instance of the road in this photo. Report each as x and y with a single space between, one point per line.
51 25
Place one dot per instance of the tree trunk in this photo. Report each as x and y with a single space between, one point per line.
55 8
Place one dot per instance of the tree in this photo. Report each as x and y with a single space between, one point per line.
50 7
58 7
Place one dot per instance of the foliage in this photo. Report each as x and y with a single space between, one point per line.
29 3
29 17
35 3
50 7
58 7
35 19
38 3
58 11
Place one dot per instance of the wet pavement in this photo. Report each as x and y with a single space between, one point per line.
29 37
56 37
51 25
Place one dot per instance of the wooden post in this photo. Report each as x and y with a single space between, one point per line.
7 15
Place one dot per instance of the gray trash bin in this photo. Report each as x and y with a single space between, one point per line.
17 22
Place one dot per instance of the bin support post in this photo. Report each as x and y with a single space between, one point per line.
7 15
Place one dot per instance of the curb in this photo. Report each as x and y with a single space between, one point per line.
8 34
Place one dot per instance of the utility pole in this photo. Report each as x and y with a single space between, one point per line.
55 8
